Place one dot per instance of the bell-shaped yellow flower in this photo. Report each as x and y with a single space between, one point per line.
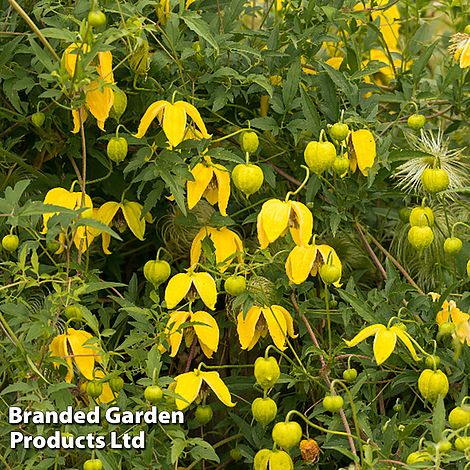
212 181
451 313
72 347
180 285
307 259
362 150
260 320
188 386
173 118
384 341
83 236
131 211
227 244
277 216
202 324
99 96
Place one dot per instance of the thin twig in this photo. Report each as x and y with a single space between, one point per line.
370 251
192 353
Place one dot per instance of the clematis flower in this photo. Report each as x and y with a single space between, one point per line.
99 95
107 395
181 284
260 320
189 385
307 259
385 341
203 325
212 181
72 347
227 244
276 217
460 49
451 313
83 236
132 215
362 150
173 118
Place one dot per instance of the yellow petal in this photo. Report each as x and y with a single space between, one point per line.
84 356
364 334
149 116
278 310
58 348
173 330
207 332
177 287
218 387
462 332
226 243
105 241
299 263
246 327
303 223
105 67
458 316
58 197
465 56
206 288
364 148
193 113
132 213
187 387
107 395
384 344
202 175
276 325
99 100
107 212
195 252
404 337
273 220
223 187
174 124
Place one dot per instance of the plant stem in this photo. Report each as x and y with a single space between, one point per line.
370 251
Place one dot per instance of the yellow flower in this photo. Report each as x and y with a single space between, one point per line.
385 341
107 395
173 118
460 48
307 259
277 216
163 9
99 96
260 320
180 285
203 325
212 181
362 150
227 244
389 22
461 320
72 345
188 386
132 215
83 236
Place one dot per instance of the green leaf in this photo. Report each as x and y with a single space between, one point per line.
195 23
438 419
310 112
361 308
290 85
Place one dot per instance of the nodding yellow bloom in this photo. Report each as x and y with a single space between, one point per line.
460 48
260 320
83 236
227 244
276 217
202 324
72 347
307 259
451 313
362 150
182 284
212 181
188 386
107 395
99 96
173 118
389 23
385 341
131 211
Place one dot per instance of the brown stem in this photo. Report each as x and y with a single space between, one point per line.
192 353
311 333
83 178
370 251
397 264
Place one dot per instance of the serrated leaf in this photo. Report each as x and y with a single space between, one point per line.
195 23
